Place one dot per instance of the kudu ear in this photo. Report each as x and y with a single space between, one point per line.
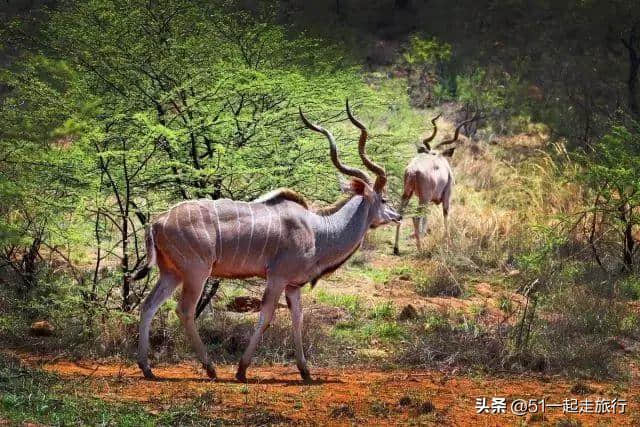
448 152
359 187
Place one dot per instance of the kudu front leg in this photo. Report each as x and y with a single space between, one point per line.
295 307
186 310
403 205
396 249
269 300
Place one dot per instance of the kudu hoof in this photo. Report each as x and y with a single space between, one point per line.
241 377
211 372
306 378
146 371
304 374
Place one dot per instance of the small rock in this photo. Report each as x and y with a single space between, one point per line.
409 312
581 388
342 411
41 328
244 304
614 344
405 401
328 315
426 407
513 273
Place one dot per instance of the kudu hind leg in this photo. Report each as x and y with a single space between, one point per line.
446 202
186 310
445 218
295 307
160 293
269 300
423 211
416 228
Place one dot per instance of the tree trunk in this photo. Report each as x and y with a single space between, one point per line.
206 296
631 44
29 264
124 265
627 239
632 83
628 248
217 189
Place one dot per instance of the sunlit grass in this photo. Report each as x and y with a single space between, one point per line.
351 303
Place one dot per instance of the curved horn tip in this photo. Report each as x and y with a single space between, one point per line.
301 113
348 108
307 122
357 123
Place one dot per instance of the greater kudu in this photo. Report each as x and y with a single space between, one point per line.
275 237
430 177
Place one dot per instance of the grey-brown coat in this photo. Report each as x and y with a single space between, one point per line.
275 237
430 178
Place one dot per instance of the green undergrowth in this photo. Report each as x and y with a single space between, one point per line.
32 396
351 303
365 325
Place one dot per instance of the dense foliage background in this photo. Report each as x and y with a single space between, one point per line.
111 111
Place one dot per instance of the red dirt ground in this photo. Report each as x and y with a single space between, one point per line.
343 396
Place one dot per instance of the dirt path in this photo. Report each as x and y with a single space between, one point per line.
344 396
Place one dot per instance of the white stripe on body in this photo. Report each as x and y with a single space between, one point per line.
235 254
167 239
152 255
196 234
246 255
206 230
218 235
279 230
266 238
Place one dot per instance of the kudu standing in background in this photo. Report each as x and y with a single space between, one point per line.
275 237
430 177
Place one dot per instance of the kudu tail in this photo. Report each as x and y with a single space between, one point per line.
151 255
409 188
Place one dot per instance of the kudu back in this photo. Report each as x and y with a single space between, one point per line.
275 237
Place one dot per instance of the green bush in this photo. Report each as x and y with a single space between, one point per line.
630 287
384 311
442 283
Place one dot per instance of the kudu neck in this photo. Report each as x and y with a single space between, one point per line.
338 234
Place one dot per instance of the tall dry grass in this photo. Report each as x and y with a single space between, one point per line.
501 193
